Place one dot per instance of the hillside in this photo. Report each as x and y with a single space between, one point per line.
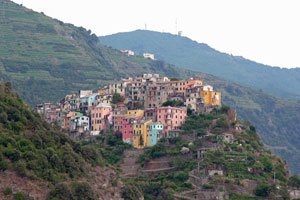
182 51
276 120
210 160
45 59
39 161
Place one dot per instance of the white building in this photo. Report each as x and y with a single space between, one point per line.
208 88
149 56
84 93
128 52
80 122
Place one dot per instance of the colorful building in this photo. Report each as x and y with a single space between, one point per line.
87 102
117 88
99 117
156 132
79 123
136 113
210 97
171 117
127 129
123 121
141 134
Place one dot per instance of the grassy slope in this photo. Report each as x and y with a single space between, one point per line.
46 59
184 52
47 157
235 159
275 119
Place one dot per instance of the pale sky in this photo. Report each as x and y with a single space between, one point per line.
266 31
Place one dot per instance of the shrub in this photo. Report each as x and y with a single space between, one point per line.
181 176
3 164
294 181
117 98
20 167
21 196
60 192
82 190
262 190
7 191
12 154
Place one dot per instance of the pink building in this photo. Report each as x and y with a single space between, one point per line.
171 117
124 124
99 116
127 129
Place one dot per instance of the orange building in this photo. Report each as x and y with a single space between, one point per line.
99 115
210 97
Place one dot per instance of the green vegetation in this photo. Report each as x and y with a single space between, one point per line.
243 159
117 98
110 146
263 190
46 58
77 191
7 191
34 149
173 103
164 184
234 196
275 119
38 151
294 181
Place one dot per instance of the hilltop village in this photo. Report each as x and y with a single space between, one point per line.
142 109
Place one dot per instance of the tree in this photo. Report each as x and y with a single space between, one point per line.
262 190
294 181
117 98
82 190
173 103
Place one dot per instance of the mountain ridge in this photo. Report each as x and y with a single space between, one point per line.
185 52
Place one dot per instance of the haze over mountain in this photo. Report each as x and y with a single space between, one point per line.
45 59
184 52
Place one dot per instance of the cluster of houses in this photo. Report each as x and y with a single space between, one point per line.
140 114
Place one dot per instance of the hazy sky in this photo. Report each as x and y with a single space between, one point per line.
266 31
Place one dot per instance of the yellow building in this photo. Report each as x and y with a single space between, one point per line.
211 98
136 113
141 134
216 99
